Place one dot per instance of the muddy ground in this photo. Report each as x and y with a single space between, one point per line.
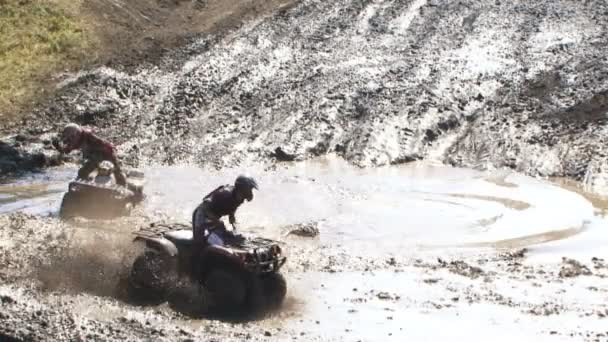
57 281
506 84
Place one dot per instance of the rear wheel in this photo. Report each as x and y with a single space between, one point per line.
150 276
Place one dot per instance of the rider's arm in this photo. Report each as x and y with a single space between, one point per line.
61 146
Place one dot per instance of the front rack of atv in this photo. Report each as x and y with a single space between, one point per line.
259 266
264 255
254 243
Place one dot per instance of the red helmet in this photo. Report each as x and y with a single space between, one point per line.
71 133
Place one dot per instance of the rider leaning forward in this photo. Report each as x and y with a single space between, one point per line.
94 150
207 225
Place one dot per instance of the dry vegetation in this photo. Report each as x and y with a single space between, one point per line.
43 37
39 37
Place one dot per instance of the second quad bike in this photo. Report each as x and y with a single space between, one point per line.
102 200
241 275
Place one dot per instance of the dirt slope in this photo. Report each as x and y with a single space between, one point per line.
483 84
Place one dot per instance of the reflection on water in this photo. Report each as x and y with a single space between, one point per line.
599 201
507 202
38 194
390 209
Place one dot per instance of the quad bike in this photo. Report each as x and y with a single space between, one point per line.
241 275
96 200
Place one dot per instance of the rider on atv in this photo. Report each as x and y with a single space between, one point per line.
207 225
94 149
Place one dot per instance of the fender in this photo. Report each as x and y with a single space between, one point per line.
219 250
213 253
162 245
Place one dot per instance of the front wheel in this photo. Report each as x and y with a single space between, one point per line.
226 288
274 289
267 292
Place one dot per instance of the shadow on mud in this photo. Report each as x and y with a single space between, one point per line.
188 300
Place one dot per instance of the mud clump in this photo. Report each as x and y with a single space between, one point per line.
462 268
309 230
515 255
387 296
572 268
546 309
283 156
599 263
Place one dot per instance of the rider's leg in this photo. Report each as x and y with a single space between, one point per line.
198 232
215 239
118 174
89 166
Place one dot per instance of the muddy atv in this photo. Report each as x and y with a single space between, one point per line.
240 276
94 200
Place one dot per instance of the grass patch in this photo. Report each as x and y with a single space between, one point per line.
37 38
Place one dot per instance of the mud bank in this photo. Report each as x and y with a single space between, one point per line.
505 84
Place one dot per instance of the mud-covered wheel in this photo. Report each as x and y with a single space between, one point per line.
150 276
226 288
189 298
267 291
274 289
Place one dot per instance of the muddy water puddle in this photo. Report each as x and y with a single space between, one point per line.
382 210
35 194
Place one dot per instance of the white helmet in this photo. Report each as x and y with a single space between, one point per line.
105 168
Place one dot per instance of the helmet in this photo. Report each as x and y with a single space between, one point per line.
105 168
71 133
245 182
245 185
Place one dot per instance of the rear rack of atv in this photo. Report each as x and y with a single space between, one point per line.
92 186
158 229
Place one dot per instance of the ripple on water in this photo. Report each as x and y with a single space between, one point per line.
394 209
